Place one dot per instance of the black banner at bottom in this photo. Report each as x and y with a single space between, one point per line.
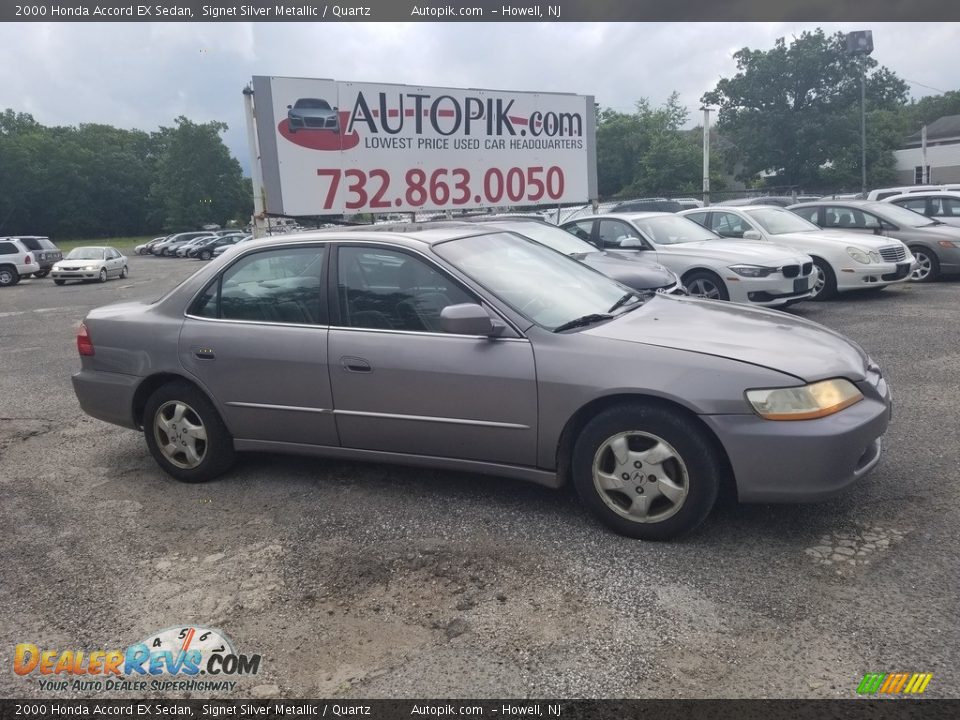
863 709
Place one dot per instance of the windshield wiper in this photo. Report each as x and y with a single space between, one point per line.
623 301
581 321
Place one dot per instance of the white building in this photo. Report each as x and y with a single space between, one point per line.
943 154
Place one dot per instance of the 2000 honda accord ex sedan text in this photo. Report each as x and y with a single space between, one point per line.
480 350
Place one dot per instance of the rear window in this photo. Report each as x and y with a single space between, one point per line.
38 243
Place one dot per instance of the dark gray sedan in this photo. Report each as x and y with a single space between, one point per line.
428 349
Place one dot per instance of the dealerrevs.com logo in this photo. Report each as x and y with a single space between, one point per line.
185 658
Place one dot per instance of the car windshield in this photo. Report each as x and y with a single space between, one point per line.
901 216
778 222
672 229
547 287
85 253
551 236
312 103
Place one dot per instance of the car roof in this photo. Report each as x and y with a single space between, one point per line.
840 203
923 194
423 233
624 216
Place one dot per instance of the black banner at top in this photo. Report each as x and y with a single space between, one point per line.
477 11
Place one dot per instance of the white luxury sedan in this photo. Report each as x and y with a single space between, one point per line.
843 260
746 272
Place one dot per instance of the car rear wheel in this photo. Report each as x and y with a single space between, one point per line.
706 285
8 276
928 266
206 255
59 282
647 472
103 275
825 282
124 272
185 434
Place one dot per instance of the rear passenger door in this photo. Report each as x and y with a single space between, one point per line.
256 340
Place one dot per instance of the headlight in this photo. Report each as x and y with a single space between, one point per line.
875 256
859 255
90 267
752 270
816 400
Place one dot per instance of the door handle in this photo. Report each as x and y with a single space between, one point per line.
355 364
204 353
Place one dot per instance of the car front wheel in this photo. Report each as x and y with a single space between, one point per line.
124 272
59 282
42 273
185 434
928 266
103 275
706 285
825 282
646 471
206 255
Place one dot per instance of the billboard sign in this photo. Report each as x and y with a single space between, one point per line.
331 148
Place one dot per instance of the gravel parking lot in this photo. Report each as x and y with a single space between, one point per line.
356 580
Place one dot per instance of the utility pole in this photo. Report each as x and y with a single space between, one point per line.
706 155
860 44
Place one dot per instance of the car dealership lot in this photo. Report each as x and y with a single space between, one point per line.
372 580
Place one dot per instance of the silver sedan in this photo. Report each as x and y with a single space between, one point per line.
90 263
477 349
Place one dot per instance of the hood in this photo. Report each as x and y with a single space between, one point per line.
732 252
846 237
767 338
635 272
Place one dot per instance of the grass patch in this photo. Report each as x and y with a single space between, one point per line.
123 244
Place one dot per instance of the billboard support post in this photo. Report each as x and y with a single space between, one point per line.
256 172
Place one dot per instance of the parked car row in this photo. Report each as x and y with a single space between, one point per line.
201 245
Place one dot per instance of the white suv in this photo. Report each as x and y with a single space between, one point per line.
15 261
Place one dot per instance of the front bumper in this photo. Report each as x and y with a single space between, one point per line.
854 277
769 291
805 460
75 274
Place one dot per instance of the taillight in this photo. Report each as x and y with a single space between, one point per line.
84 343
27 260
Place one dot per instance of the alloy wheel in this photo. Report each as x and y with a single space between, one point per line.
180 434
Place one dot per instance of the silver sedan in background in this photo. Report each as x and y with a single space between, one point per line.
477 349
90 263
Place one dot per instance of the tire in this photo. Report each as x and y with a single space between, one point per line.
196 459
825 284
42 274
206 255
705 284
103 275
59 282
689 469
928 265
124 272
8 276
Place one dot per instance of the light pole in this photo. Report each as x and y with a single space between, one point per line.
860 43
706 154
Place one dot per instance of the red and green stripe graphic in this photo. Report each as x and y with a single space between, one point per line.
893 683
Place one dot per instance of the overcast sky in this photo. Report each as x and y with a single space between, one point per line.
145 75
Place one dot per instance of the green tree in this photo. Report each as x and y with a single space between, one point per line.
197 181
649 153
794 110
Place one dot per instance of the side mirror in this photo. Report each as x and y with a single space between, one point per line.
469 319
631 243
752 235
289 107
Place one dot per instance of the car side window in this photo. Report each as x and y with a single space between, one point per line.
581 229
7 248
950 207
728 224
700 218
276 286
385 289
916 204
808 213
614 232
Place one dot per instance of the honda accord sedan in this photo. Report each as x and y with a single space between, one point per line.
477 349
